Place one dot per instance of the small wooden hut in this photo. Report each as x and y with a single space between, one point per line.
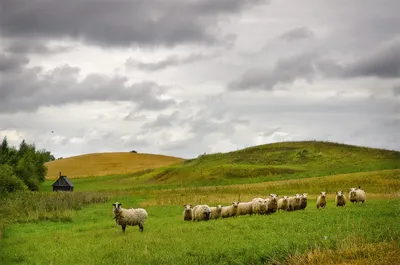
63 184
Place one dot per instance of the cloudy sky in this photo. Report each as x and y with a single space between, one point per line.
192 76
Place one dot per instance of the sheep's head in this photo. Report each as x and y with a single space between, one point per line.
263 204
273 197
219 207
187 207
285 198
304 195
323 194
297 198
352 192
116 207
206 212
339 194
235 204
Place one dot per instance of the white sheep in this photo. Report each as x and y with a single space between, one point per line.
201 212
245 208
187 212
340 199
357 195
321 200
230 211
133 217
294 202
259 206
216 212
303 201
283 203
272 203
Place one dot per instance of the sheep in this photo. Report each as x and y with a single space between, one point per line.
230 211
133 217
340 199
294 202
201 212
283 203
272 203
357 195
245 208
259 206
321 200
303 201
216 212
187 212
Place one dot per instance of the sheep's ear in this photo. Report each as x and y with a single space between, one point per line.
359 187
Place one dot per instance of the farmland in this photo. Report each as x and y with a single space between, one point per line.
78 228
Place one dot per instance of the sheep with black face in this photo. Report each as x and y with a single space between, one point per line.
201 213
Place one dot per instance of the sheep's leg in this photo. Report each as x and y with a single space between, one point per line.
140 227
123 227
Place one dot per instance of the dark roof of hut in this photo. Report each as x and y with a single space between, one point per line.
63 181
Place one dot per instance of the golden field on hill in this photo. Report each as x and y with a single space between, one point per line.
101 164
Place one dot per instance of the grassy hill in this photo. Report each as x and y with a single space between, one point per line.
100 164
80 222
264 163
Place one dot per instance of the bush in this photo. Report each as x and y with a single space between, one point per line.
9 182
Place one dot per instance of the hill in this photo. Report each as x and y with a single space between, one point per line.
100 164
270 162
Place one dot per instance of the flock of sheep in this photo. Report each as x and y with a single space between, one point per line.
266 206
260 206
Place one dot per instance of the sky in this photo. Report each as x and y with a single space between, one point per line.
188 77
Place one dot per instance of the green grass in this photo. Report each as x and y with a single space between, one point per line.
93 238
77 227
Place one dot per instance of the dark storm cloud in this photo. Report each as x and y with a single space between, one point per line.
120 23
22 46
383 63
167 62
285 71
25 89
10 62
297 34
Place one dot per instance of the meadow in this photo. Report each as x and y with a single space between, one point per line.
77 227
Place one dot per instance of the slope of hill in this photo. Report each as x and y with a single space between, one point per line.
271 162
100 164
276 161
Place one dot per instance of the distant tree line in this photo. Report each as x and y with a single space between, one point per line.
22 168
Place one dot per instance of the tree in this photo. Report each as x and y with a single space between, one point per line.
27 164
8 181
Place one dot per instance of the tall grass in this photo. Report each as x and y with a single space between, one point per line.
37 206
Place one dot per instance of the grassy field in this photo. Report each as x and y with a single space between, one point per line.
77 228
100 164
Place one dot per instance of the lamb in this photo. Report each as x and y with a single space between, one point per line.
133 217
216 212
294 202
245 208
187 212
230 211
201 212
303 201
357 195
340 199
321 200
283 203
259 206
272 203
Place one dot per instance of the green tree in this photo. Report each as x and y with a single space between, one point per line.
27 163
8 181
